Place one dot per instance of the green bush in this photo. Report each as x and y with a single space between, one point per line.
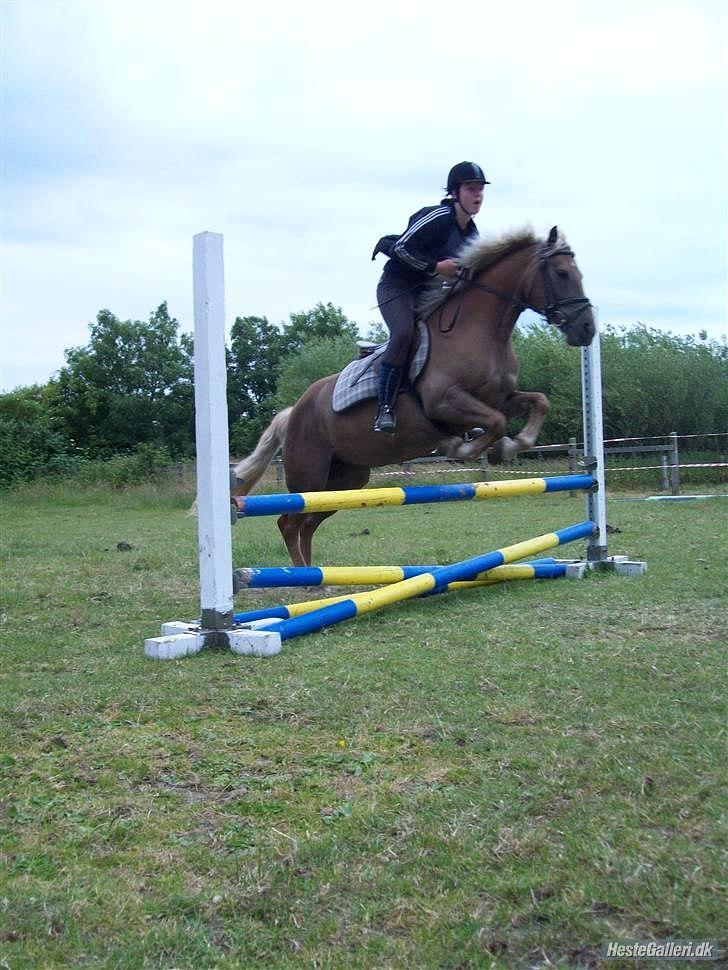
653 382
129 393
315 359
31 442
122 470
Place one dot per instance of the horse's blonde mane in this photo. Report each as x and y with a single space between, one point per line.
477 256
482 253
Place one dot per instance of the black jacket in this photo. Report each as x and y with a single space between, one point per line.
432 234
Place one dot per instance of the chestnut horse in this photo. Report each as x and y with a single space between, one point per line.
469 381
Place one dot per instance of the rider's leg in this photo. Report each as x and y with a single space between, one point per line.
390 378
396 302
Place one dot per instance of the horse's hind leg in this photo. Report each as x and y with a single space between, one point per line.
289 527
344 476
298 529
308 525
307 461
312 466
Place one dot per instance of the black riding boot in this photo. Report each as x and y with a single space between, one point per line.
390 377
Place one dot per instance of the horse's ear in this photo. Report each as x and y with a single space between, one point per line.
553 236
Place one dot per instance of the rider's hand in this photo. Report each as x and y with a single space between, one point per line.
447 267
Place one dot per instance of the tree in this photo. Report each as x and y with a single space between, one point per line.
261 352
657 382
653 382
32 441
256 348
132 384
377 332
321 323
548 364
316 358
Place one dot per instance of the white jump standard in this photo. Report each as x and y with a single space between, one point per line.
216 626
596 500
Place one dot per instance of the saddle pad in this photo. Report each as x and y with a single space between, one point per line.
359 380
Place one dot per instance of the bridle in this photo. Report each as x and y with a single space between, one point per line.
554 311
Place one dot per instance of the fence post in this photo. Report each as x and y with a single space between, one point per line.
664 455
675 465
484 465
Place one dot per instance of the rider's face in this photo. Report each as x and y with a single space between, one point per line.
470 197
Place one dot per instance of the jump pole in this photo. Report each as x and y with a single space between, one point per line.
431 581
367 498
536 570
215 628
271 577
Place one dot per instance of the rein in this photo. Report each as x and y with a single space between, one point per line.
553 312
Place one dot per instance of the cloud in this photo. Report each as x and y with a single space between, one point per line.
304 135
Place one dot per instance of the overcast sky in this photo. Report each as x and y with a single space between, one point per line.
304 131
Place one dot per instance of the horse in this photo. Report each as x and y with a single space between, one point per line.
469 380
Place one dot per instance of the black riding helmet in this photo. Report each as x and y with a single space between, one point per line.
464 172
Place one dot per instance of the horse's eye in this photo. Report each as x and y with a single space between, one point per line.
562 274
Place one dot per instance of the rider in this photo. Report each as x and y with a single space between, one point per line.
426 249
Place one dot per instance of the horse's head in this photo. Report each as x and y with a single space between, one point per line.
557 293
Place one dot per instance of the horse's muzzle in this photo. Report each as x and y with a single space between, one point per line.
578 328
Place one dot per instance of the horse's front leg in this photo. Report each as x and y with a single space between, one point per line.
459 408
530 403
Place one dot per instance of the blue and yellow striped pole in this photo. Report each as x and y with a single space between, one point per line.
435 580
537 569
269 577
367 498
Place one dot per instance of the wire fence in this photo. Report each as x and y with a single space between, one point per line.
664 463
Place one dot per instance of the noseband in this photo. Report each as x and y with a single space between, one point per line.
553 312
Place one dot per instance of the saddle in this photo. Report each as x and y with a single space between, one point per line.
359 380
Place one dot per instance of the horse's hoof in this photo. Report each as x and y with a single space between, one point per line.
502 451
495 454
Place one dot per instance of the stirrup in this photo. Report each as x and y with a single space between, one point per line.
385 420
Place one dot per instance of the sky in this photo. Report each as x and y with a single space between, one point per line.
304 132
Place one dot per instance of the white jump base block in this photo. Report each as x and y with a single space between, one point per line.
621 565
180 640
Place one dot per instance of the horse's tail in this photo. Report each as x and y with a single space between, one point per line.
250 470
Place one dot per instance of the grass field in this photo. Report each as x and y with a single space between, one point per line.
506 777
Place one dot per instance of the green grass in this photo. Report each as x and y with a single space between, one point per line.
504 777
